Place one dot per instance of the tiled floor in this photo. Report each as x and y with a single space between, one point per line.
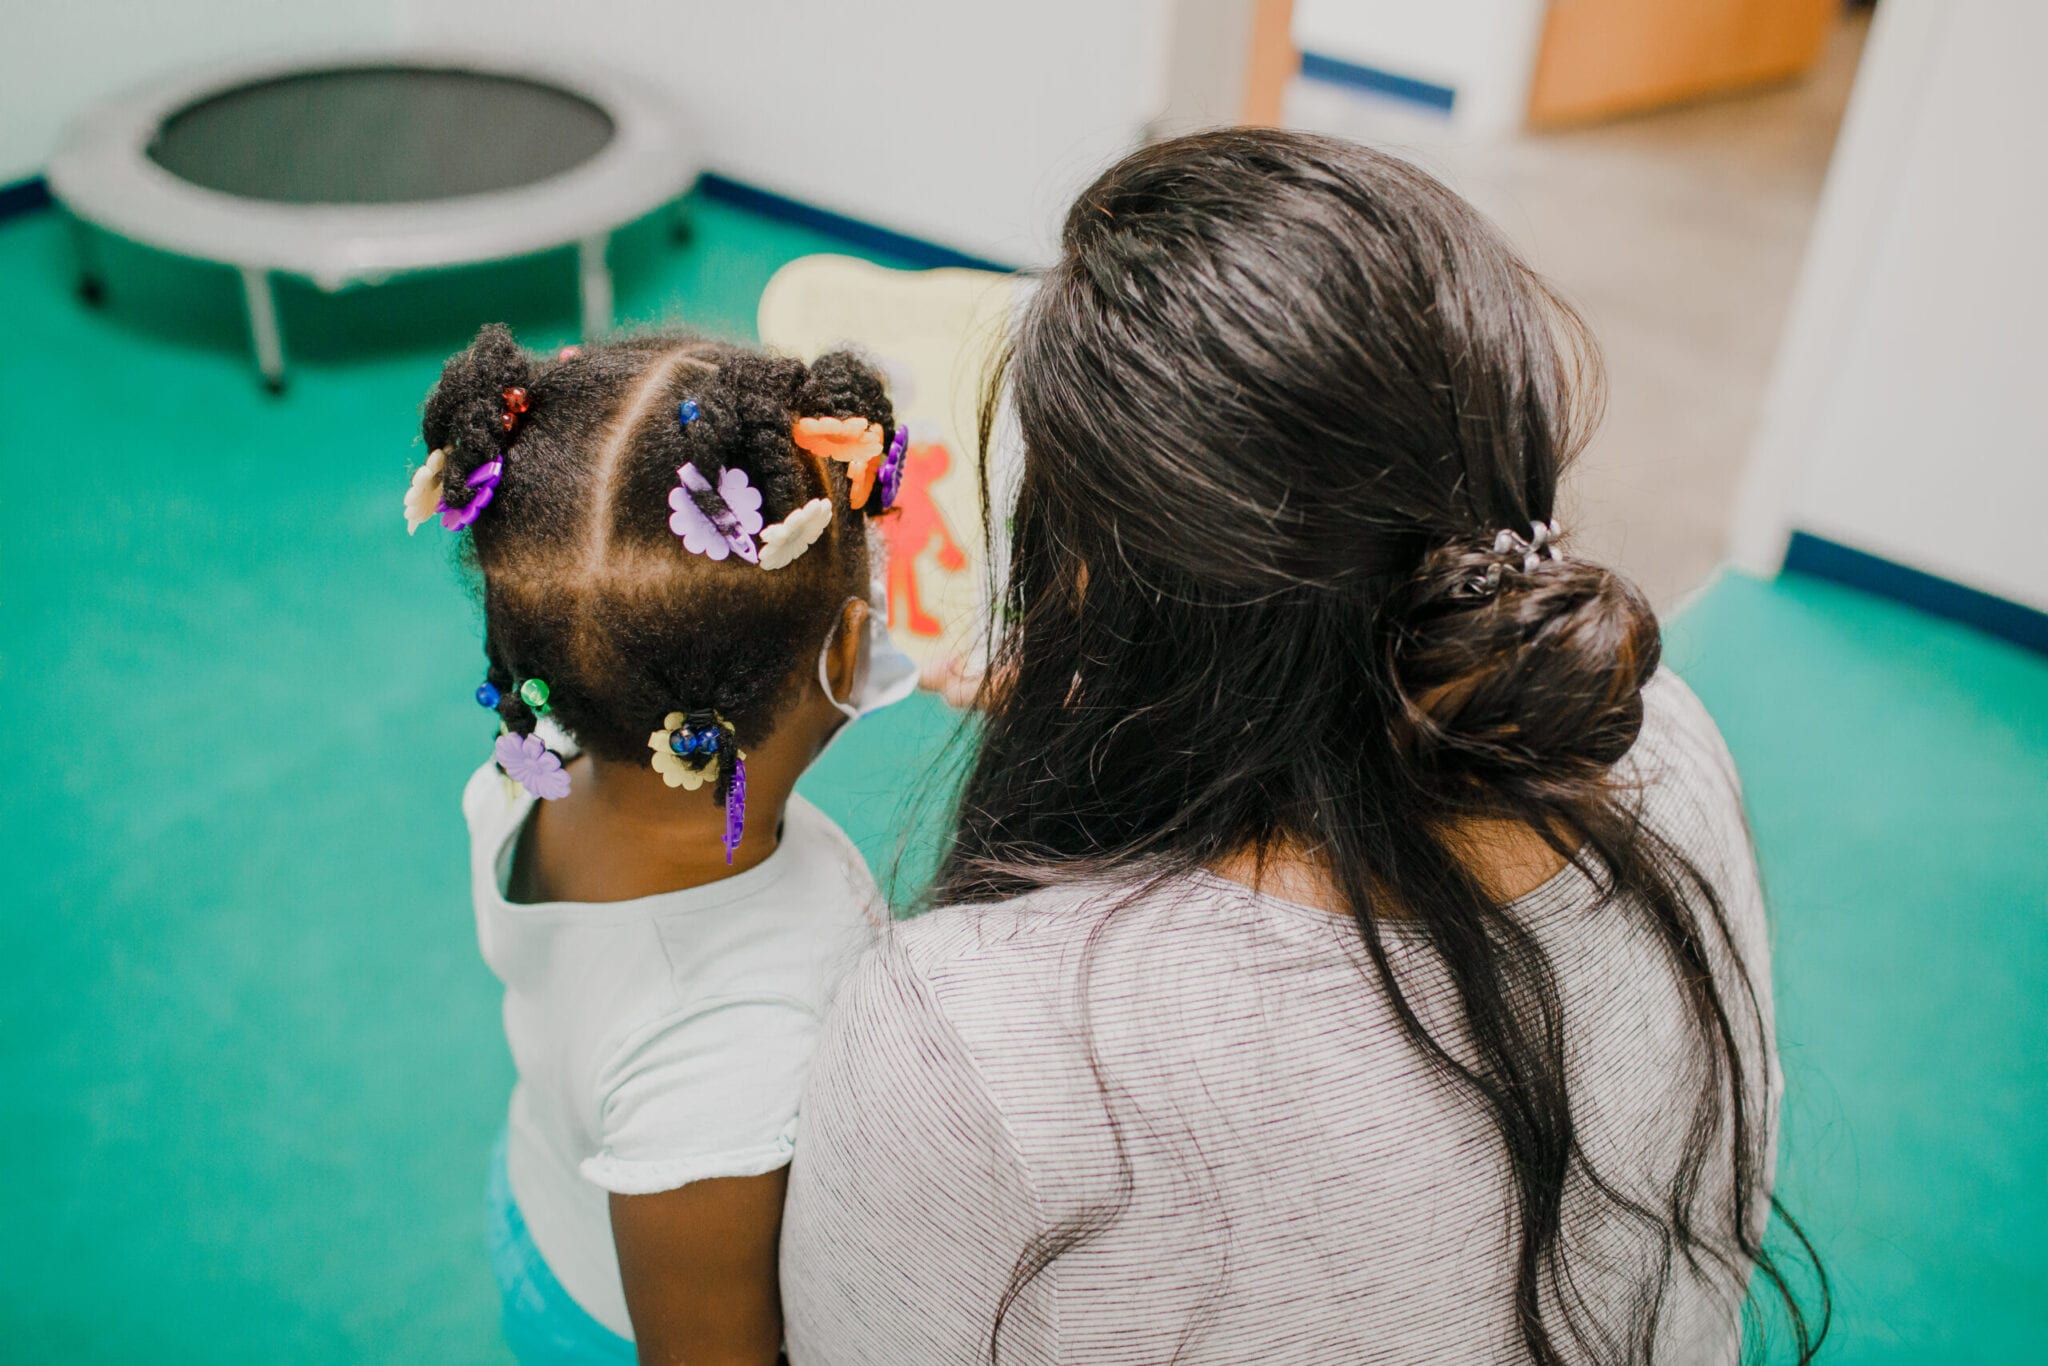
1679 234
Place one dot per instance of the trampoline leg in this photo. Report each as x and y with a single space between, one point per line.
263 328
92 282
595 279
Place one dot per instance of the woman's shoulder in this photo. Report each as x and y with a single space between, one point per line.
999 978
1678 729
1682 767
1028 986
991 948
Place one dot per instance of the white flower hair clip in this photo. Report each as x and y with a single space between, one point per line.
423 499
796 533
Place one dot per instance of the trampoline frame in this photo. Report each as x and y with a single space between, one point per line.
103 176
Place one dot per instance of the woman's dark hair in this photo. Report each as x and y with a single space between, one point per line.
585 586
1278 398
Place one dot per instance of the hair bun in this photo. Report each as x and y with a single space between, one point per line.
463 414
844 384
1518 671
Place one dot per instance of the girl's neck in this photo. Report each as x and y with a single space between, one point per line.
623 833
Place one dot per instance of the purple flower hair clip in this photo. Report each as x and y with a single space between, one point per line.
731 531
528 761
889 480
735 806
485 482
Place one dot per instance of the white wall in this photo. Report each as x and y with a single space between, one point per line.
59 56
961 121
1483 49
1909 413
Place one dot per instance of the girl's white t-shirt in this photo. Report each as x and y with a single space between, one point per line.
662 1040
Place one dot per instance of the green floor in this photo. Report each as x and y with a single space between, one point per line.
251 1062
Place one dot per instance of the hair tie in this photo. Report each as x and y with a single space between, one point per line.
526 759
483 481
698 747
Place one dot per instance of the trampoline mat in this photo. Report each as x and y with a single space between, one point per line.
379 135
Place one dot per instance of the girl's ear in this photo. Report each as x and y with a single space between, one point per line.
842 655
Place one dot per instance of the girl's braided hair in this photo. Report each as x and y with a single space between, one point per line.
583 583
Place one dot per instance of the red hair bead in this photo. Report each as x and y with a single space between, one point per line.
515 399
508 419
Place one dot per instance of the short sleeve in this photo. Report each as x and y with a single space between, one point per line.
708 1093
909 1208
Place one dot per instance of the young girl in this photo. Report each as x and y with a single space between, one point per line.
671 538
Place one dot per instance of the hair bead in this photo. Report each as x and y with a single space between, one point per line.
488 696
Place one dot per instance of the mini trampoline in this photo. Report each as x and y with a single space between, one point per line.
351 171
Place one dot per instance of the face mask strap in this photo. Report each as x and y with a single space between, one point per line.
846 709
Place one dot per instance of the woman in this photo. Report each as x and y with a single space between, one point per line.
1350 948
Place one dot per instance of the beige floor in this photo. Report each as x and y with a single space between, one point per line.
1679 235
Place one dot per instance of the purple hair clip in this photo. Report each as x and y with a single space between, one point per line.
889 479
735 806
485 482
731 531
528 761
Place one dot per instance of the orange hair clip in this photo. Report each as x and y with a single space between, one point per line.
853 441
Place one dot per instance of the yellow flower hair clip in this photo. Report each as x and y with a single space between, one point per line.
668 759
688 748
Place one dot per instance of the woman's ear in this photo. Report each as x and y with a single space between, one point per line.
842 657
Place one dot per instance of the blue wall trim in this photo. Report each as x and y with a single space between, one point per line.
1819 558
1335 70
24 196
913 250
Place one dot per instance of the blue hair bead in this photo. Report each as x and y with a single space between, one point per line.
680 742
708 742
687 412
487 697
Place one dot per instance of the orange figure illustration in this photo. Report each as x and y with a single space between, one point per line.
910 529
